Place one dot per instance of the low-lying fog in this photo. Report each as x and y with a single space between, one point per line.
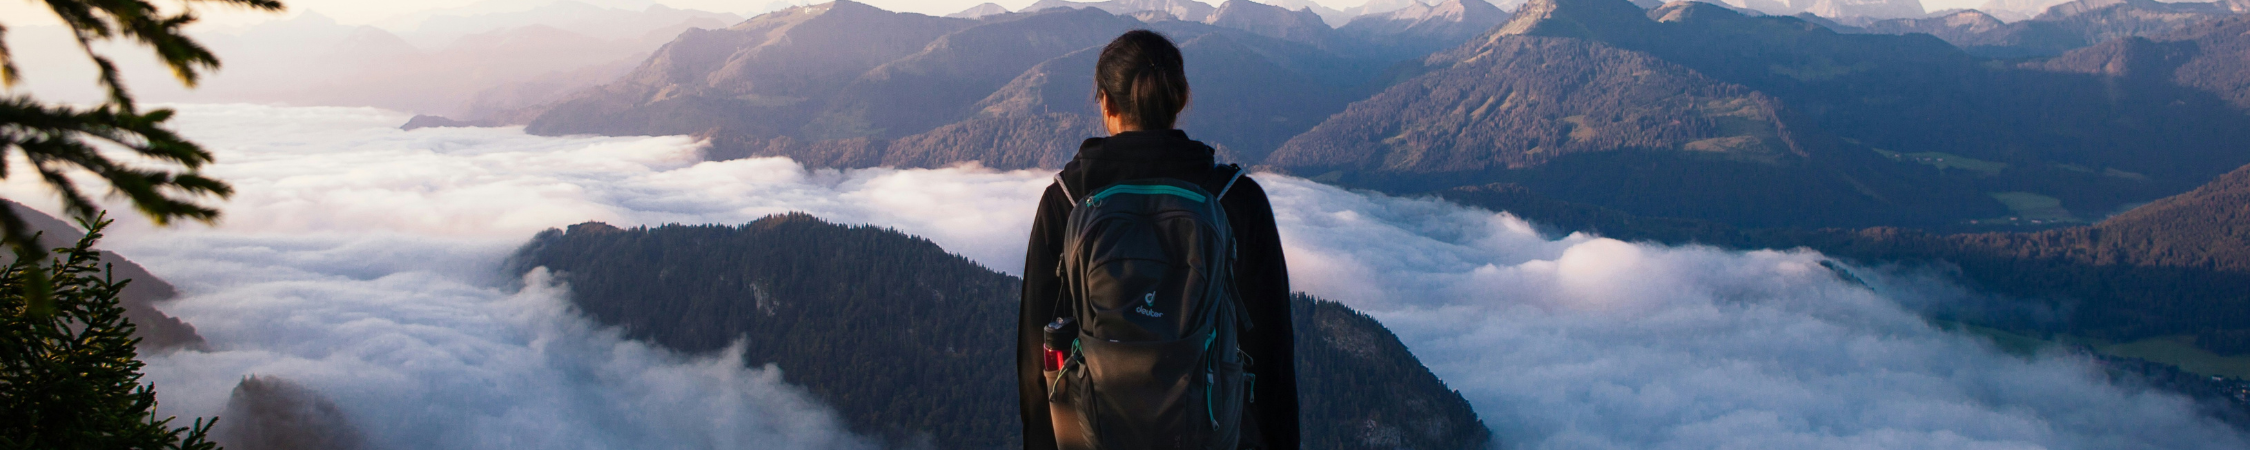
360 261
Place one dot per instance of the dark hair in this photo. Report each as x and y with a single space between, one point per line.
1142 75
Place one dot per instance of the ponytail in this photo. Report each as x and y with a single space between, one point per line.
1143 77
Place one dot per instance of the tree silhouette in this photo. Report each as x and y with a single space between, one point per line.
60 141
71 379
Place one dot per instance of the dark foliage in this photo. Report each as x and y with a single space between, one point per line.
156 330
71 379
59 139
909 342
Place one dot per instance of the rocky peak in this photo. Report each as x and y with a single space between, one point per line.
1688 11
1271 21
1187 10
1449 22
980 11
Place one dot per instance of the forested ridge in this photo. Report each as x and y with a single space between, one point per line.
913 344
2177 266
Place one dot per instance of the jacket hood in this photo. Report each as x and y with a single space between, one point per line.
1134 155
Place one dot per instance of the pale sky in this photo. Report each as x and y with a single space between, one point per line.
31 12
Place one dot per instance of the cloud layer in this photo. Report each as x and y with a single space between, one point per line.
360 261
1584 342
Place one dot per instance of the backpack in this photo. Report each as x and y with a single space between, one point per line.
1148 281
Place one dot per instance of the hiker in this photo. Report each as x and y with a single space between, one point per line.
1135 332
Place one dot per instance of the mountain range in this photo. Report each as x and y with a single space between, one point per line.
1867 129
1687 121
796 82
2060 28
913 344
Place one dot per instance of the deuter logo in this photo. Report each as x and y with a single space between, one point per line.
1147 301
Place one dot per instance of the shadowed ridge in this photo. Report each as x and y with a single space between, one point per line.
2212 57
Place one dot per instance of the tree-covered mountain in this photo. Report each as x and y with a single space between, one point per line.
909 342
272 413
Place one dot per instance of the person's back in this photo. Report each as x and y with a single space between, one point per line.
1142 87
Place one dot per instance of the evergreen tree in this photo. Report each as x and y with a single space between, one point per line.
58 140
71 379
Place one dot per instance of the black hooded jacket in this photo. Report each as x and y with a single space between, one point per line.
1260 276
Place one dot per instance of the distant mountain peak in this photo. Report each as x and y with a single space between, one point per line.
980 11
1448 11
1272 21
1682 11
1185 10
1574 18
1427 27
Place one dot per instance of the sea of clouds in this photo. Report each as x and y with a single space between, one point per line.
361 261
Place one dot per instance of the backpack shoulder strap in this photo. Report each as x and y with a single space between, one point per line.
1231 178
1065 189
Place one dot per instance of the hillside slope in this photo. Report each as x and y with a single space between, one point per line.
766 74
907 341
2211 57
156 330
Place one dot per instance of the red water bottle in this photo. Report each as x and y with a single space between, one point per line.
1060 335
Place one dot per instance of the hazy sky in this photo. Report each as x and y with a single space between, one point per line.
24 12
